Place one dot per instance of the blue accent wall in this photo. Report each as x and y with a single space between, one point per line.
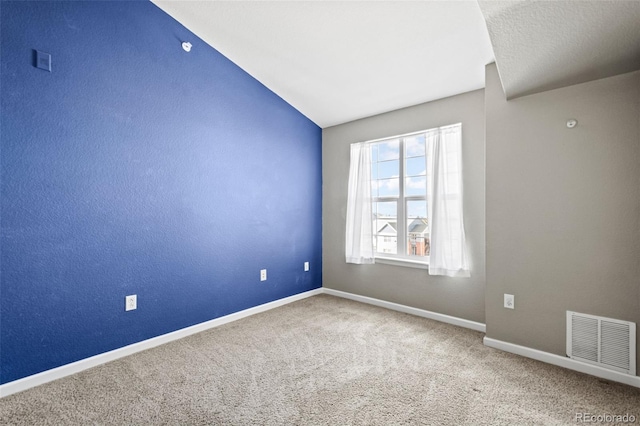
137 168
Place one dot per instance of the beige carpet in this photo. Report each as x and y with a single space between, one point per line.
322 360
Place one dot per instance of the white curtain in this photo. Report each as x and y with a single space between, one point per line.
359 235
444 199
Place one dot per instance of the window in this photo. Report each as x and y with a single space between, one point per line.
405 203
399 197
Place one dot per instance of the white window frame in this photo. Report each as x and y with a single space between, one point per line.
404 258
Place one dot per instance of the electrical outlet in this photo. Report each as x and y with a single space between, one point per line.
263 274
306 266
509 301
131 302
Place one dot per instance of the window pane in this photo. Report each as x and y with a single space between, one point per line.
415 186
374 153
416 166
417 228
388 187
414 146
388 150
386 209
385 218
387 169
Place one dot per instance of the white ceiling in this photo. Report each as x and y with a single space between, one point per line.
340 61
543 45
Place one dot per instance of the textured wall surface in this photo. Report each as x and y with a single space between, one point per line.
137 168
459 297
563 208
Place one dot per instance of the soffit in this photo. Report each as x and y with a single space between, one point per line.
543 45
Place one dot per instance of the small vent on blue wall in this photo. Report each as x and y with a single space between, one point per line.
606 342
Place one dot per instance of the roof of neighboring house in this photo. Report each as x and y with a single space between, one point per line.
389 227
418 226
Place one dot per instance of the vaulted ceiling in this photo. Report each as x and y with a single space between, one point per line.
344 60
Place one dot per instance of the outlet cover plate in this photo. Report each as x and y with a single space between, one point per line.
306 266
509 301
131 302
263 274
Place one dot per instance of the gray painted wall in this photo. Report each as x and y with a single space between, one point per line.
459 297
563 208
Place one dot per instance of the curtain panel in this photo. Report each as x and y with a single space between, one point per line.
359 232
444 200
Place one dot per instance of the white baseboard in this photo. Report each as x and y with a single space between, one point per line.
562 361
477 326
84 364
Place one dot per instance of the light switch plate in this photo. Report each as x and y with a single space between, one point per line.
43 60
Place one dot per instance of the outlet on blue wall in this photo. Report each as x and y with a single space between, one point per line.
134 167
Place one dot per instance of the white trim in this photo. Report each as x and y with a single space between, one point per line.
562 361
477 326
406 135
398 261
84 364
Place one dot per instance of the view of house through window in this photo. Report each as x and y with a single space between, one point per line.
399 187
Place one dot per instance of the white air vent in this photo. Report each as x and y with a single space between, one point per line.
606 342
